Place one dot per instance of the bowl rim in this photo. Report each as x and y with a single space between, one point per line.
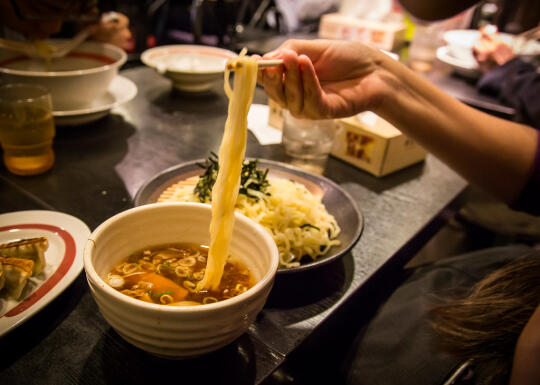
185 47
58 74
99 282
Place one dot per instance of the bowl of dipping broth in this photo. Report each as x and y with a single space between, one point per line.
143 264
74 80
192 68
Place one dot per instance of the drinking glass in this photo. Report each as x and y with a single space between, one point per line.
306 138
308 141
26 128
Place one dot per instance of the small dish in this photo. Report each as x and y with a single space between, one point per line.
121 90
336 200
67 236
464 67
192 68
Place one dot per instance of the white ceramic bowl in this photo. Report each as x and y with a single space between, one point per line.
174 331
460 43
465 68
192 68
74 80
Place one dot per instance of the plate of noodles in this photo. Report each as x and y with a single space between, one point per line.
312 219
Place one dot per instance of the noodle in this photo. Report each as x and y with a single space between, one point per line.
297 220
231 153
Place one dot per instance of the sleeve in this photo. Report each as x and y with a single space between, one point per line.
517 84
529 199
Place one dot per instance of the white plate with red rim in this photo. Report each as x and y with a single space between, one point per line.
192 68
67 236
120 91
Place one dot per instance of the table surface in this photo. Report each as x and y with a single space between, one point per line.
99 168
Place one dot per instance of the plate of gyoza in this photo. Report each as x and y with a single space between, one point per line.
40 256
312 219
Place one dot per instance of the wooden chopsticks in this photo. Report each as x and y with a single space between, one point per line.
261 64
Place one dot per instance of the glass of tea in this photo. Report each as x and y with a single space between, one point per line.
26 128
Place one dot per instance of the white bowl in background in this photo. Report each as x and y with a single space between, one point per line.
192 68
177 331
465 68
75 80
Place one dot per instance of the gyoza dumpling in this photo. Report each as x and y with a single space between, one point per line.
32 248
16 272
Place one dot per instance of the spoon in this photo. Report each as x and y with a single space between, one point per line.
43 50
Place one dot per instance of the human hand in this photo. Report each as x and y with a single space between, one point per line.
113 28
322 79
489 51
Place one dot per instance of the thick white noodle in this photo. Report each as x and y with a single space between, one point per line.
231 155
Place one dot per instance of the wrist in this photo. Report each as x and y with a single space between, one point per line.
397 95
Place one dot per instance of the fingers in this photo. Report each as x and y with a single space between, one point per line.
273 84
294 85
113 29
311 88
294 90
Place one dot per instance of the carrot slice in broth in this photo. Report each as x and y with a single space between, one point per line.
160 284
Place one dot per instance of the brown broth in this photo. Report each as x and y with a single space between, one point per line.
168 274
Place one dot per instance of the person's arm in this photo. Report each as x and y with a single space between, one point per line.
525 368
324 79
496 154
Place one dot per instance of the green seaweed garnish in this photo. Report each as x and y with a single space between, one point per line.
251 179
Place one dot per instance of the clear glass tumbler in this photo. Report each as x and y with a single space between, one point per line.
26 128
307 139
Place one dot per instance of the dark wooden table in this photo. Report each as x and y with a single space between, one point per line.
99 168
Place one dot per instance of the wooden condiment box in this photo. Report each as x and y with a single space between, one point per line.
378 34
374 145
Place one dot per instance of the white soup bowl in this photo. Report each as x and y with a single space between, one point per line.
177 331
74 80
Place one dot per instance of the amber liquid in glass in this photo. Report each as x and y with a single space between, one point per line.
27 144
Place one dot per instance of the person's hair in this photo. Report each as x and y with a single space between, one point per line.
485 325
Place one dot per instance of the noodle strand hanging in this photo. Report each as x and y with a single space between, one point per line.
231 156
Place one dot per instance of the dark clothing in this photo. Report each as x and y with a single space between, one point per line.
399 345
516 84
529 199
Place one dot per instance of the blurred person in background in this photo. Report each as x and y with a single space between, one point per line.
512 80
481 308
42 19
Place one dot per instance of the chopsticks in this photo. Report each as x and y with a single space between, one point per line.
270 63
261 64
